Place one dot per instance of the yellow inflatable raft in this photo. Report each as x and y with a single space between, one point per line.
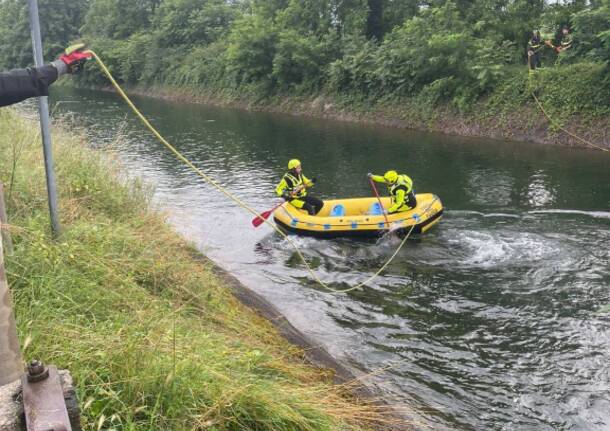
359 217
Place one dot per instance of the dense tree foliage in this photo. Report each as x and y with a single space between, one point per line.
450 51
117 19
59 24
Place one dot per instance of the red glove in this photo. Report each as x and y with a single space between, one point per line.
75 56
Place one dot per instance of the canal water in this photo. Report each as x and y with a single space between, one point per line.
496 319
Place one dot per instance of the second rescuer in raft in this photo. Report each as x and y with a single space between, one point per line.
293 188
400 188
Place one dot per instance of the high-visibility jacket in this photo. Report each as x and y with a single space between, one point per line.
399 192
295 185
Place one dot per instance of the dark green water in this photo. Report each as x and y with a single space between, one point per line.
497 319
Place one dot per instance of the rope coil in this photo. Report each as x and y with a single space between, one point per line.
238 201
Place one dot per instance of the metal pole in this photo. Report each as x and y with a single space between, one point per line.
10 352
43 105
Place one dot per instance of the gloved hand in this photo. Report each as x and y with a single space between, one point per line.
369 175
313 180
286 195
74 58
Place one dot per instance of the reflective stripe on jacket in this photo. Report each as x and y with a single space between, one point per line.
295 185
566 41
398 191
535 43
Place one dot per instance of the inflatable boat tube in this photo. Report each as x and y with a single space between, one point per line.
359 217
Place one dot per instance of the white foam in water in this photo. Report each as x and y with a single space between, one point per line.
489 250
595 214
463 212
485 250
302 242
481 214
540 193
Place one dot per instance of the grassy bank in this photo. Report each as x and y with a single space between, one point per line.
153 339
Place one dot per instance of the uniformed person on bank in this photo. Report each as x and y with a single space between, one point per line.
293 188
565 40
534 50
400 187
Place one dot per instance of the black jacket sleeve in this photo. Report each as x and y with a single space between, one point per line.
21 84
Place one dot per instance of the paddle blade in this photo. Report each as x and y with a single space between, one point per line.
257 221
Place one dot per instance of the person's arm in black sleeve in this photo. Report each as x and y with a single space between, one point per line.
21 84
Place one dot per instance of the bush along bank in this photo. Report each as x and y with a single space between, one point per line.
153 338
452 66
574 97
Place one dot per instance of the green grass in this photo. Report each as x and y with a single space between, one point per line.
153 339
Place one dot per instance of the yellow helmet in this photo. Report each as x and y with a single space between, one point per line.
294 163
390 176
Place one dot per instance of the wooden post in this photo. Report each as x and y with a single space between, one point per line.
10 352
6 235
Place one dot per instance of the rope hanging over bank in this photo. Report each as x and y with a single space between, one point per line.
563 129
238 201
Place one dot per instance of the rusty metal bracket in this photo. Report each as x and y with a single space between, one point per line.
43 399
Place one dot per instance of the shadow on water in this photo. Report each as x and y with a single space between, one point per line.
496 319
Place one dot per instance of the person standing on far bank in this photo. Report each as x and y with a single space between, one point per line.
534 46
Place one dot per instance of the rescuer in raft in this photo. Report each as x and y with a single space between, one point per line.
293 188
400 188
20 84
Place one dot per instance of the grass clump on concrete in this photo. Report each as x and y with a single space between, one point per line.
153 339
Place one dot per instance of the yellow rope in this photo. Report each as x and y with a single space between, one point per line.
564 130
234 198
